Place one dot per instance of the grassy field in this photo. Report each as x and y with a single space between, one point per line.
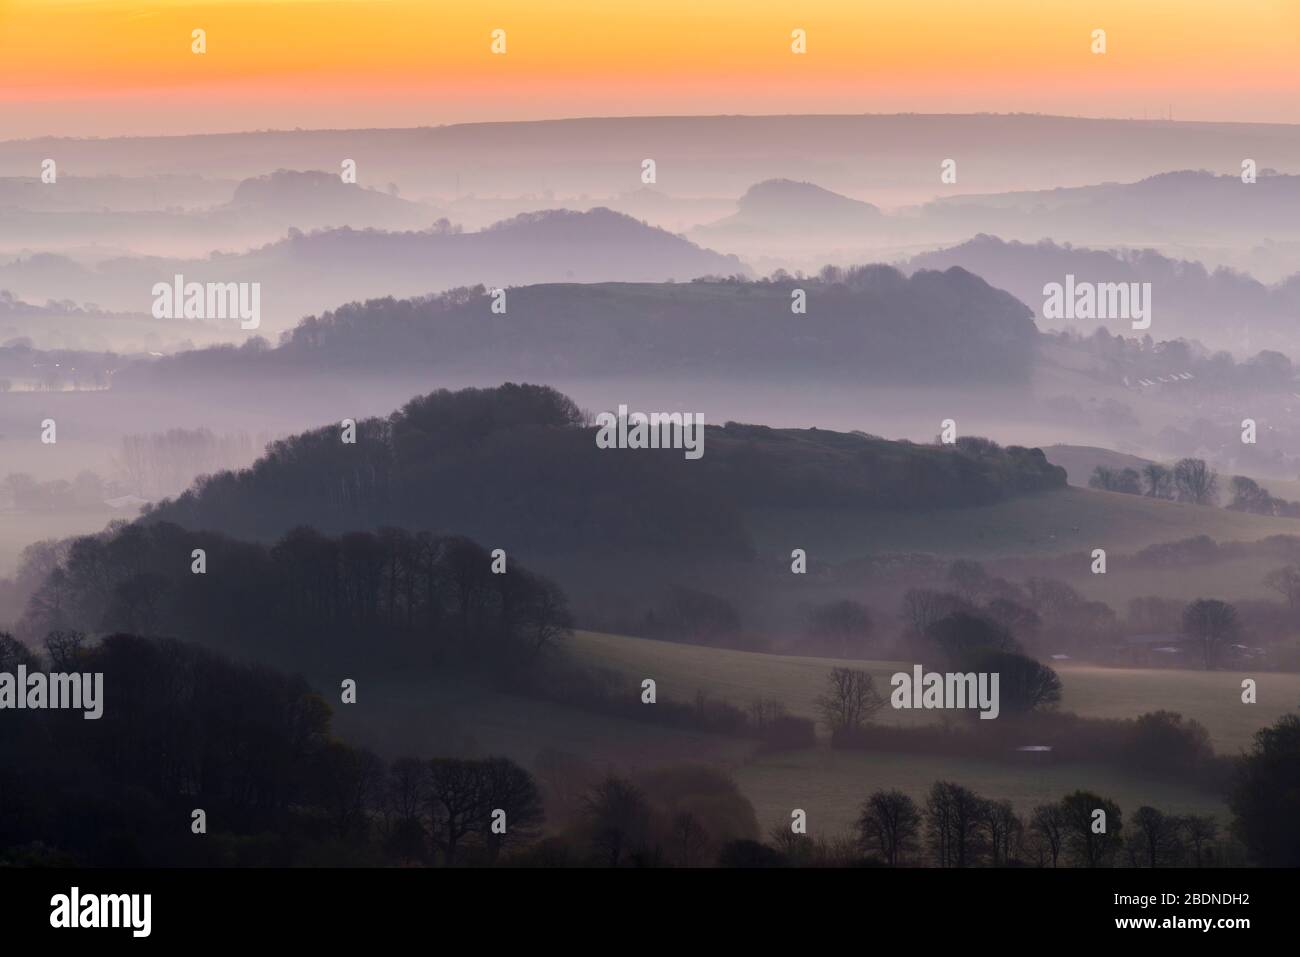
1213 698
423 716
1232 580
1047 523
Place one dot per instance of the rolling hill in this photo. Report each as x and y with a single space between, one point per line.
309 272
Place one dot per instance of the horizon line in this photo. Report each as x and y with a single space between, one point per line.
649 117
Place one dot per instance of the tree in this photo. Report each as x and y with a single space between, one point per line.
455 802
1004 829
1115 480
1091 840
14 653
64 648
1199 833
1196 482
689 838
889 823
1286 582
1265 798
464 796
346 783
849 701
618 820
922 607
1048 825
1213 624
952 817
1021 621
1247 496
962 636
1024 685
405 798
1165 741
508 787
1156 837
1159 481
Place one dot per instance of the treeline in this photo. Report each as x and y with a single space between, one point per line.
518 466
956 827
366 599
184 730
1146 358
1191 480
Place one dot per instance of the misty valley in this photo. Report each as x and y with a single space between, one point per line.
736 520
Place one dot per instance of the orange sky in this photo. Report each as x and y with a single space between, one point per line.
103 67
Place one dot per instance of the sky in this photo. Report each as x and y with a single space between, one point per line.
118 67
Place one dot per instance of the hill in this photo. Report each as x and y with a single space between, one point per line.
153 216
307 273
453 460
1222 308
1181 206
864 324
781 205
1079 461
854 154
1060 521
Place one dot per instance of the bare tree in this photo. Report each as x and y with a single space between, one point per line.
1159 480
1213 623
952 816
1199 832
689 838
1286 582
1004 829
618 818
889 822
850 699
922 607
1196 482
455 802
1048 824
1155 836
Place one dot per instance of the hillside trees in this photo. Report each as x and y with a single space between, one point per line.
416 597
1263 798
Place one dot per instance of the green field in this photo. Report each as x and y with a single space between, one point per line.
1046 523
